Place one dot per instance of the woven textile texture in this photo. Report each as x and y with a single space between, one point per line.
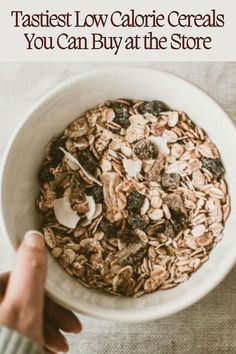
208 326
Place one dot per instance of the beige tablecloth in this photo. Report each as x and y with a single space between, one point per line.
207 327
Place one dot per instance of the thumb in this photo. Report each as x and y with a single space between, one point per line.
27 280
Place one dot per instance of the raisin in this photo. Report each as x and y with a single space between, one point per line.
108 228
54 163
87 160
127 237
45 175
174 201
169 230
176 207
153 107
96 192
135 201
213 165
170 181
121 114
178 217
59 191
135 221
145 150
48 217
55 152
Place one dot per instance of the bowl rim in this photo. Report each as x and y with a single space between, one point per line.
95 311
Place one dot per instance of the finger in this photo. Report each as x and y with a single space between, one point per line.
62 318
26 283
48 351
54 339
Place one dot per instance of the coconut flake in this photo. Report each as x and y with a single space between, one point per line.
76 162
92 207
173 118
132 167
65 215
127 151
160 143
97 212
71 160
176 167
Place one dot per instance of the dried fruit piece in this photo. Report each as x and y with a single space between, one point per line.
154 173
174 201
115 202
178 217
75 165
153 107
55 152
170 181
96 192
145 150
87 160
59 191
45 175
121 114
136 221
213 165
135 201
169 229
108 228
176 207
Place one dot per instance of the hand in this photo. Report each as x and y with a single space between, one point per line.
24 307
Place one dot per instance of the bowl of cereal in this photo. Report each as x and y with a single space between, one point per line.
133 190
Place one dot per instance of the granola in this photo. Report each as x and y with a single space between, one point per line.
132 197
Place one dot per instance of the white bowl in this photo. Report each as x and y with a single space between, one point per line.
48 118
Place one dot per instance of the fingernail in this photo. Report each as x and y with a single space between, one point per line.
66 345
78 328
34 239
